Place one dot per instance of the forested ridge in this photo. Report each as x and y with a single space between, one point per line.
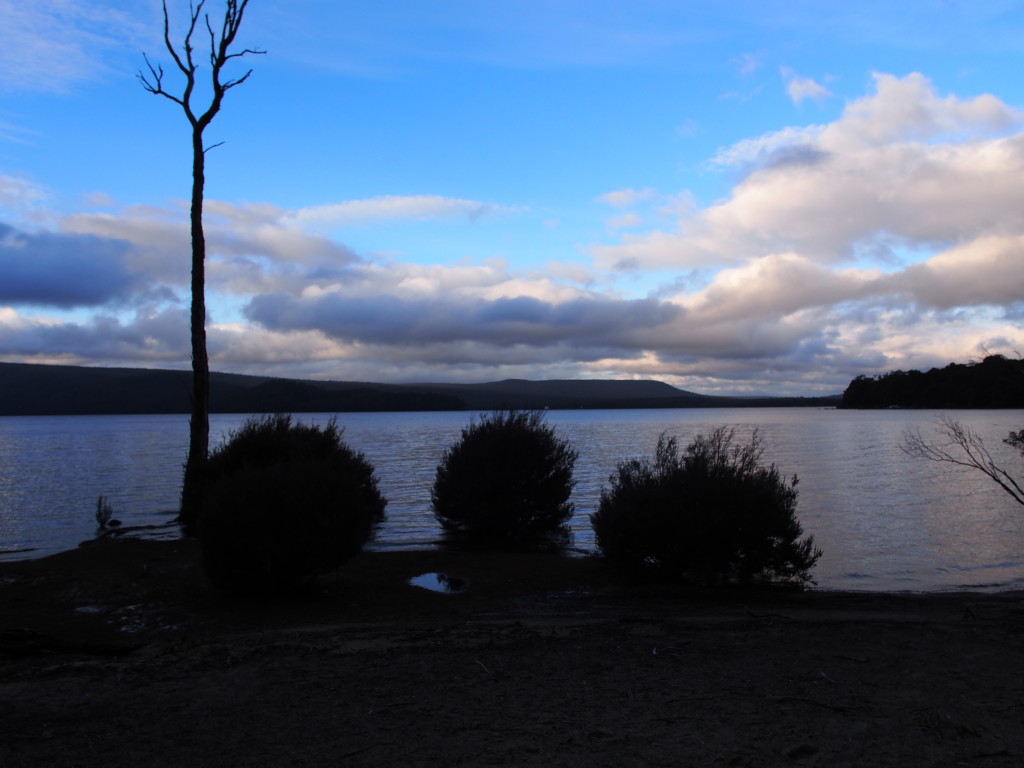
995 382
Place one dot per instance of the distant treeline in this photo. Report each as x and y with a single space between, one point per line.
995 382
41 390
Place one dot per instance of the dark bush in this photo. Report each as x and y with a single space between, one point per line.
283 503
712 512
506 481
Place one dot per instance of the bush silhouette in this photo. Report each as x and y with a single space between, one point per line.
506 481
712 512
283 503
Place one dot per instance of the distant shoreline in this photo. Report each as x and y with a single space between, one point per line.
59 390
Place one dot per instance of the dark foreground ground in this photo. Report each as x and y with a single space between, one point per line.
119 654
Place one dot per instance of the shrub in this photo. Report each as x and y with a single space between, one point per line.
283 503
506 481
712 511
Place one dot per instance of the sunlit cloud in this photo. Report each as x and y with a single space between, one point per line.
900 167
984 272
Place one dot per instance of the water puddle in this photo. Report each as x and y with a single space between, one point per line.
439 582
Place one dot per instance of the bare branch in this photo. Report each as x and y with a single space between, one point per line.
154 83
190 68
964 448
156 73
220 55
244 52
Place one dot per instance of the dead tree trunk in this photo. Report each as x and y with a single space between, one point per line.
153 81
199 422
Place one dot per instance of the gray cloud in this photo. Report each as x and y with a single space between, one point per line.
501 322
149 337
61 270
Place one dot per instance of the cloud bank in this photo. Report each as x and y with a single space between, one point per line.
891 237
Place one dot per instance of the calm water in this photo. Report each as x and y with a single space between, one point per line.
885 521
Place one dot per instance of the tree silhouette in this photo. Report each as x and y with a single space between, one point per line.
994 382
221 54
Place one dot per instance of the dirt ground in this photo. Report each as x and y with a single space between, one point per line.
120 654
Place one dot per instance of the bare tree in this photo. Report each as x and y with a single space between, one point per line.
221 53
965 448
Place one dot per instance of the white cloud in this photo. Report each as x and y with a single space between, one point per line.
909 109
742 96
688 129
571 272
148 337
16 134
242 347
802 88
624 221
236 235
50 45
747 63
902 167
392 207
750 154
983 272
774 286
19 193
624 198
891 237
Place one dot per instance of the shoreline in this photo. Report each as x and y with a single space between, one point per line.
119 653
130 533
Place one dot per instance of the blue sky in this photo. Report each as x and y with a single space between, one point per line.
733 197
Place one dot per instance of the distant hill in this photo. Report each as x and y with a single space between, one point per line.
995 382
27 389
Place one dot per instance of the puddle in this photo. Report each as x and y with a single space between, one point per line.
439 582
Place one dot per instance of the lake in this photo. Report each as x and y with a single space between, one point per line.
885 521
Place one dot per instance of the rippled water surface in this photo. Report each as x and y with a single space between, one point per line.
885 521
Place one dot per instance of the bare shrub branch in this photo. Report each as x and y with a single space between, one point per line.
965 448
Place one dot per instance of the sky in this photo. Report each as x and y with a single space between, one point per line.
734 197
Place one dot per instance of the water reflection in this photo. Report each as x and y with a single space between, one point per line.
438 582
